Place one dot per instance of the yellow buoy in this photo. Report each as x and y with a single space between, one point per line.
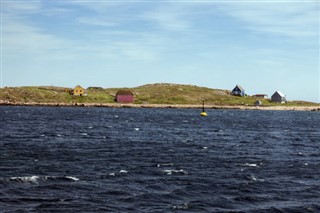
203 113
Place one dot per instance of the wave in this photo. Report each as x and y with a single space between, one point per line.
121 172
164 164
181 206
36 179
175 172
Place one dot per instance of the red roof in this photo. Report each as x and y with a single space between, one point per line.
124 92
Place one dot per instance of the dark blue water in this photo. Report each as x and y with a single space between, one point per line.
158 160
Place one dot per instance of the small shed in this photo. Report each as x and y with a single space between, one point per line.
258 103
263 96
77 91
278 97
125 96
238 91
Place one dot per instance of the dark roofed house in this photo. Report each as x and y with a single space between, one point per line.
278 97
238 91
125 96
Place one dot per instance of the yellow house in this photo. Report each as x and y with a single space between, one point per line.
78 91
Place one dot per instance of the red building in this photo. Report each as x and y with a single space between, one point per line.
125 96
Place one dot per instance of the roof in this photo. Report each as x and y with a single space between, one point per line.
280 93
77 87
124 92
240 87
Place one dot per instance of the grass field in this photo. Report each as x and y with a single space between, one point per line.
146 94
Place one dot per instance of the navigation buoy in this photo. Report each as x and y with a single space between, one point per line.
203 113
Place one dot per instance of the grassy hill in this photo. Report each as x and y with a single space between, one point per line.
146 94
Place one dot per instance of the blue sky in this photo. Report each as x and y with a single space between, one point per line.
263 46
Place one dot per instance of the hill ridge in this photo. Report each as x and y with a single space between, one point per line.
157 93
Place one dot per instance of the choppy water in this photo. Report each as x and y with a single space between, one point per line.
158 160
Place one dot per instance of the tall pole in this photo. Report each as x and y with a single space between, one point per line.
203 107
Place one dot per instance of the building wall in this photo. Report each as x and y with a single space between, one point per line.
261 96
237 91
125 98
278 98
78 91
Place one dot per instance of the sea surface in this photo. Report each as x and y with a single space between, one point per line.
72 159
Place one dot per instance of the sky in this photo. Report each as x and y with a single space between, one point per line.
263 46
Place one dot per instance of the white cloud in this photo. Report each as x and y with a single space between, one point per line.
291 19
20 35
169 19
56 11
98 21
97 6
22 39
21 7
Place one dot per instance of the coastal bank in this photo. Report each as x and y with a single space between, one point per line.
174 106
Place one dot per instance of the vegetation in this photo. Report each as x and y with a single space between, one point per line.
146 94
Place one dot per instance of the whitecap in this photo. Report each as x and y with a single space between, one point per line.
84 134
123 171
90 127
35 179
204 147
256 179
59 135
183 206
165 164
137 129
250 164
72 178
174 171
27 179
167 171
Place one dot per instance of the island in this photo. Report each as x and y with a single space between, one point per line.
159 95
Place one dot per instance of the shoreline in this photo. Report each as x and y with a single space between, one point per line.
163 106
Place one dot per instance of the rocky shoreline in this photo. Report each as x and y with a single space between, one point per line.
176 106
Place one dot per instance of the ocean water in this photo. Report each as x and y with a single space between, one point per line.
60 159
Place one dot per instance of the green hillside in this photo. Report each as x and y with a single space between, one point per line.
146 94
